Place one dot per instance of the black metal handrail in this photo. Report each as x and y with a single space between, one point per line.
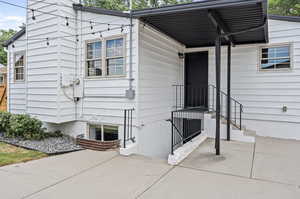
197 96
204 96
235 106
185 125
128 136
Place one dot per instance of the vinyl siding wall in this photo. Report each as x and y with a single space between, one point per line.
67 61
160 68
264 93
16 90
51 67
104 97
42 62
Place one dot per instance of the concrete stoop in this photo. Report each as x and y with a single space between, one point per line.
243 135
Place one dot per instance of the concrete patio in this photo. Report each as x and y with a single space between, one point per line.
268 169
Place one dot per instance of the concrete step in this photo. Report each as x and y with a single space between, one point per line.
248 132
242 134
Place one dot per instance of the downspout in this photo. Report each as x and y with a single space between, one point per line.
130 93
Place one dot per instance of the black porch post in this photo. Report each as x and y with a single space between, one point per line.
218 85
228 91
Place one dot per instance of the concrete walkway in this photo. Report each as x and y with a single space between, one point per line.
268 169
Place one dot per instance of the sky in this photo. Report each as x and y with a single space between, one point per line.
10 16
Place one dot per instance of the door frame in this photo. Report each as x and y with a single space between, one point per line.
184 71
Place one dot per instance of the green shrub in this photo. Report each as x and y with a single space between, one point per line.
4 121
23 126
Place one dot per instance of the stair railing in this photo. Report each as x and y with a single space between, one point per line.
236 107
128 135
205 96
183 126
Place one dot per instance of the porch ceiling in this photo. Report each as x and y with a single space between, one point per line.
191 25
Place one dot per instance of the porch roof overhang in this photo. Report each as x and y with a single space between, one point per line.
195 24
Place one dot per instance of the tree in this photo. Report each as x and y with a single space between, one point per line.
136 4
284 7
4 35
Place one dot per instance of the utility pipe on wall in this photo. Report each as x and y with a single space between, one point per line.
130 93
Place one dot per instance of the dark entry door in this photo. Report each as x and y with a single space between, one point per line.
196 79
196 90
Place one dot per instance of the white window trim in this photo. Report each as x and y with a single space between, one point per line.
104 58
14 67
276 69
94 59
102 130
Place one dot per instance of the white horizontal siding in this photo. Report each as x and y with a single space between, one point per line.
16 89
42 60
105 96
160 68
263 94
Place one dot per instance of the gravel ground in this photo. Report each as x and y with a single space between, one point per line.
49 146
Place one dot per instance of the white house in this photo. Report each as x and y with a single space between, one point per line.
78 68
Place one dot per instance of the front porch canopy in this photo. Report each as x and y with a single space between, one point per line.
212 23
191 24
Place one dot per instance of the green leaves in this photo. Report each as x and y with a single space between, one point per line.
23 126
4 35
284 7
4 121
136 4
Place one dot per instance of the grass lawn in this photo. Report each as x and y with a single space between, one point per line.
10 154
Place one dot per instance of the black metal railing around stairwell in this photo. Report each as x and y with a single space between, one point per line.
187 96
204 97
185 124
127 127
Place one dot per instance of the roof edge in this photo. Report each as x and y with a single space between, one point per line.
207 4
14 37
285 18
98 10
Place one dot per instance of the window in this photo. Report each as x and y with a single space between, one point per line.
19 66
114 57
1 79
110 63
93 58
104 132
273 58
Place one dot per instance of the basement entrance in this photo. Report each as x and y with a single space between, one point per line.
196 79
196 92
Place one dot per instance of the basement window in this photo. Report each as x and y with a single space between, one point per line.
275 58
104 132
19 64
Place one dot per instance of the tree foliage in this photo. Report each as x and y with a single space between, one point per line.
4 35
284 7
136 4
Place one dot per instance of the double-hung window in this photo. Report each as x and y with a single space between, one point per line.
105 58
115 57
275 58
19 64
94 59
